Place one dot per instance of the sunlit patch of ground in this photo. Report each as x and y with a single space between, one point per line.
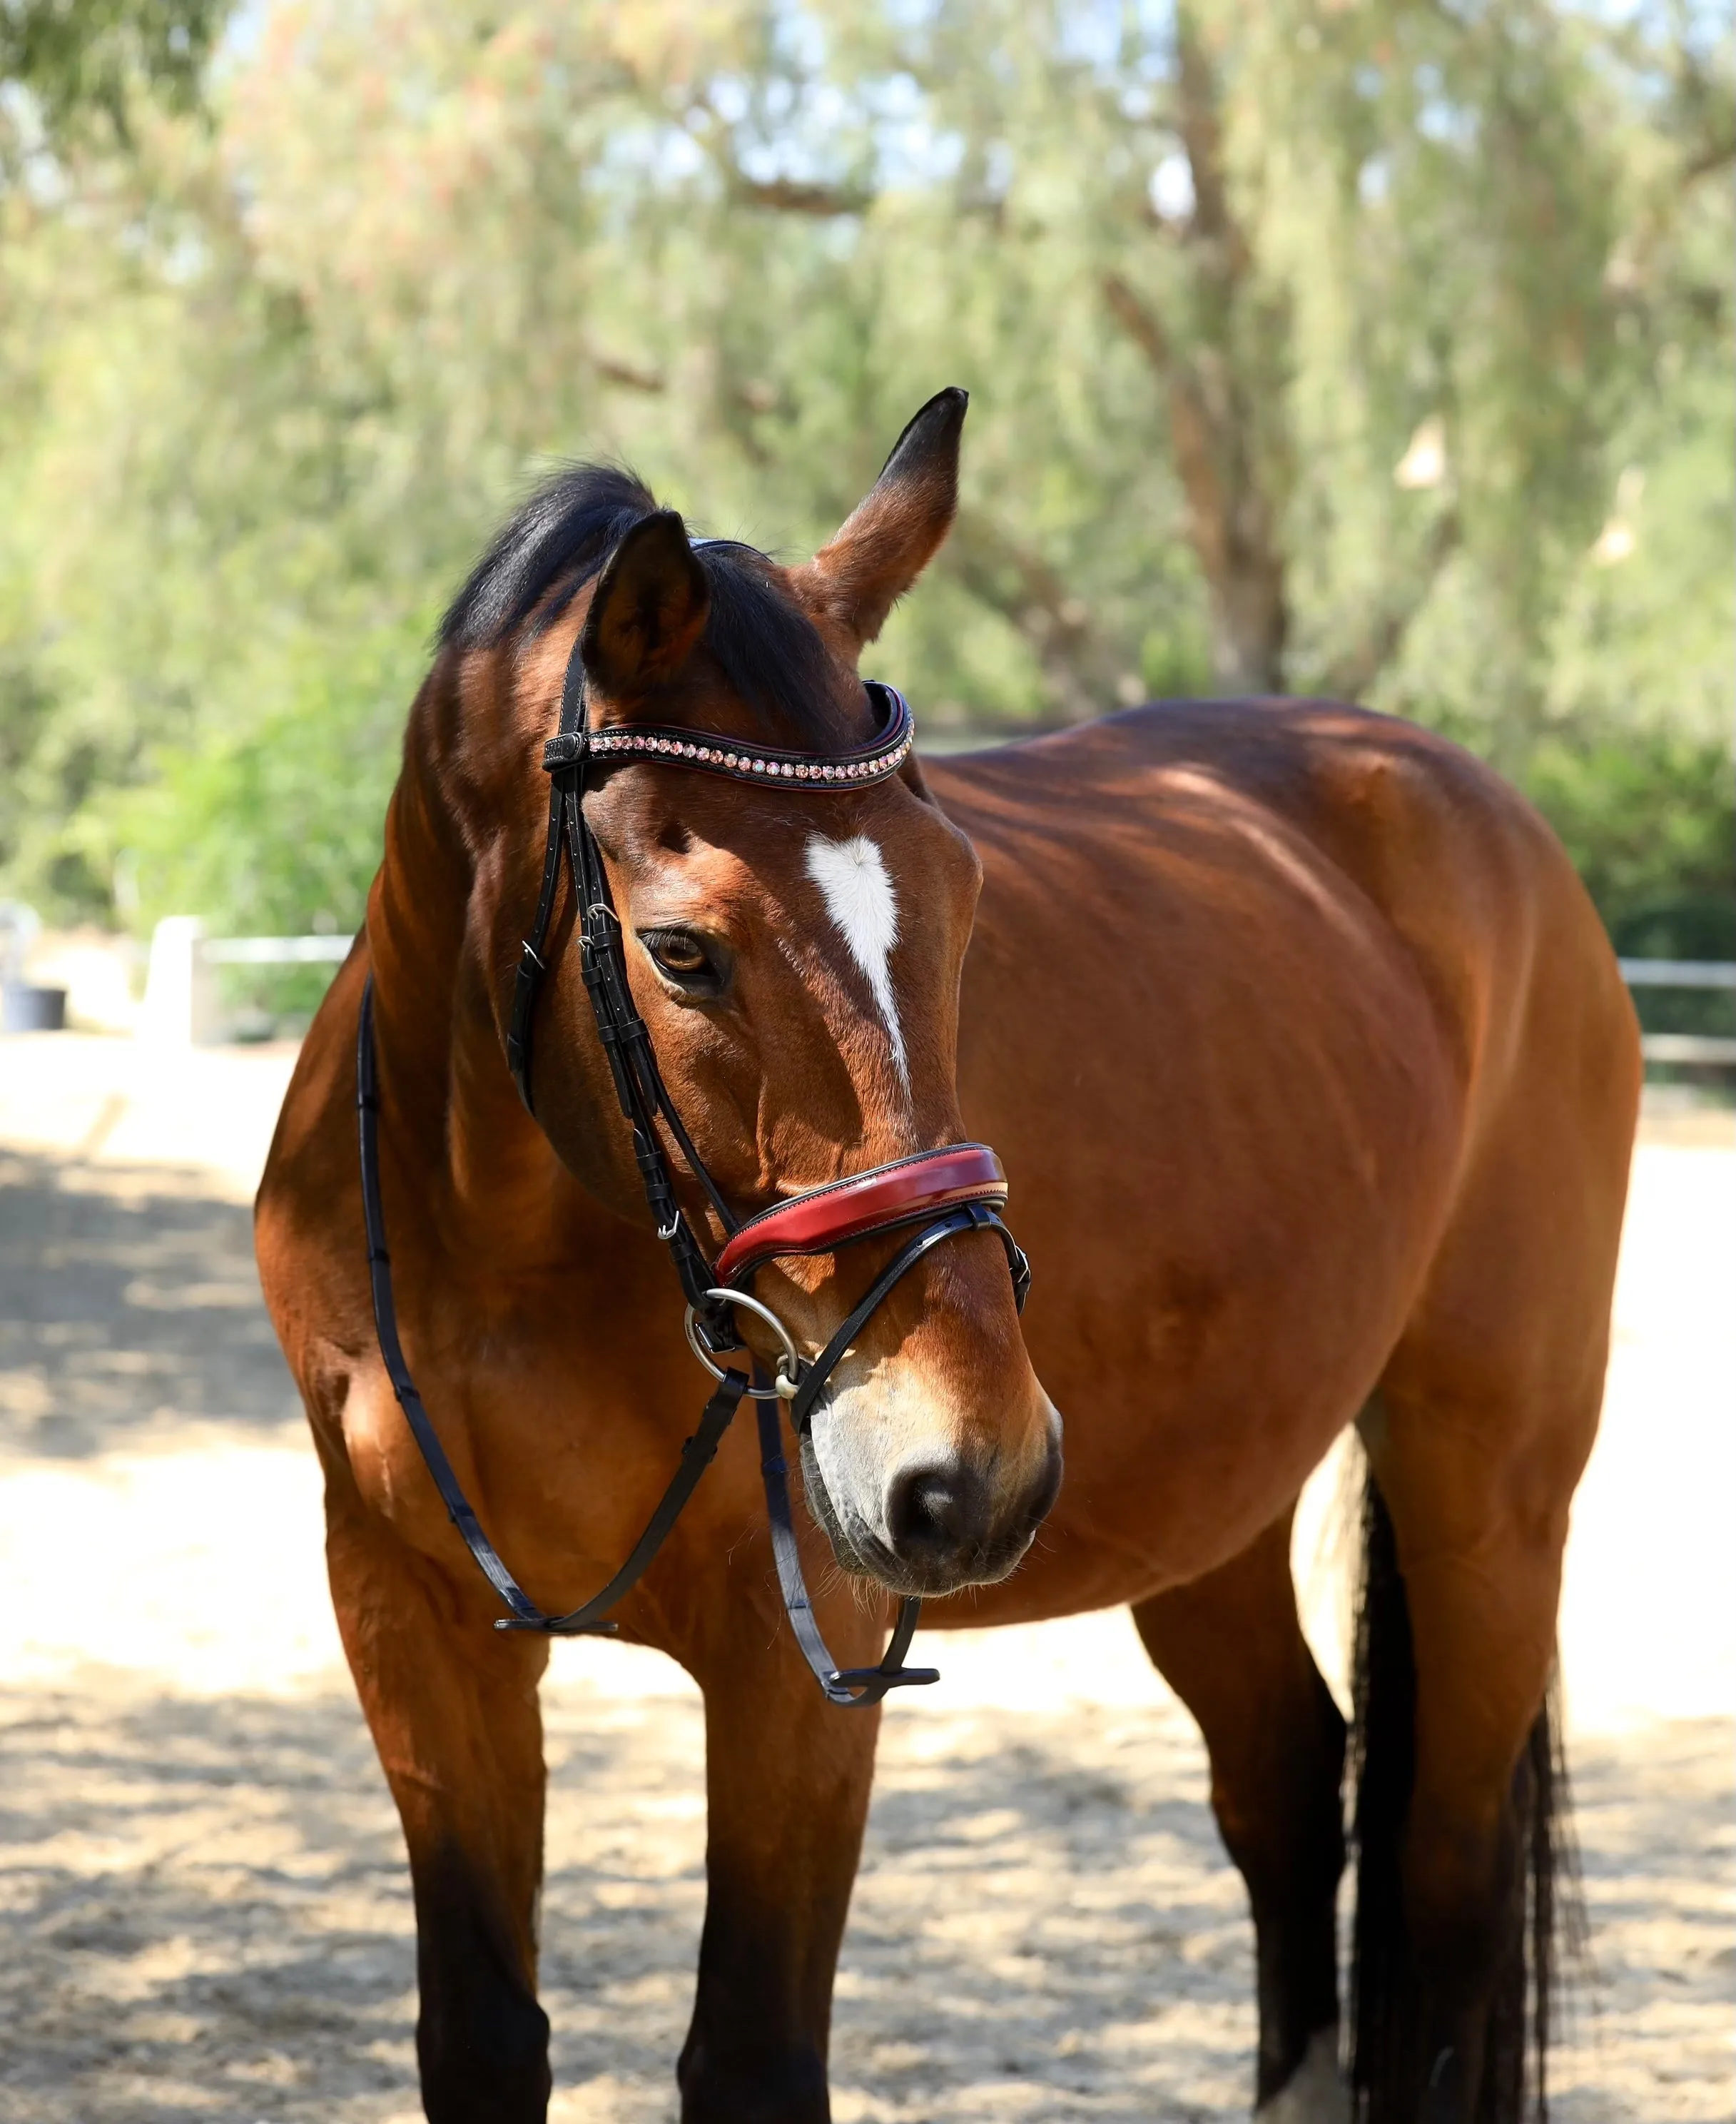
206 1915
205 1910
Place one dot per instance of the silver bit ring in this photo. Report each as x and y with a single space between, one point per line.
787 1380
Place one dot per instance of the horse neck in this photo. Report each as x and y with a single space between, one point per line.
480 1165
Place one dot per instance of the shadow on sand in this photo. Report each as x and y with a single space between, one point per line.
128 1304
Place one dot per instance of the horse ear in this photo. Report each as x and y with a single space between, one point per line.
649 608
895 531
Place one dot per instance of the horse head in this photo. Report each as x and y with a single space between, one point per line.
795 954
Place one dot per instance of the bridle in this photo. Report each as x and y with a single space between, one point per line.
934 1195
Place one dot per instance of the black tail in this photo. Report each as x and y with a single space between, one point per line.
1384 2071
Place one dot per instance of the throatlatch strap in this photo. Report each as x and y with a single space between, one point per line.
531 964
696 1454
626 1042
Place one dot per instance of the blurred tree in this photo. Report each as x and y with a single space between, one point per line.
1377 351
1329 235
80 59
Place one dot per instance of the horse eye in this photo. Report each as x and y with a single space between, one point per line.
680 957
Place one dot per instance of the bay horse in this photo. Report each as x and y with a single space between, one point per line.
1314 1082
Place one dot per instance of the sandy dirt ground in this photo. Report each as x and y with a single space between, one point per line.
207 1915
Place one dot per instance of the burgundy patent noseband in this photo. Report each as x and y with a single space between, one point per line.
933 1195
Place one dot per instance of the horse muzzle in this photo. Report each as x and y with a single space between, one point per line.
904 1504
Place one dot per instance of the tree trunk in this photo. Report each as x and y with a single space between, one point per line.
1223 392
1230 519
1250 620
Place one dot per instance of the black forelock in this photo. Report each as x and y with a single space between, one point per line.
767 649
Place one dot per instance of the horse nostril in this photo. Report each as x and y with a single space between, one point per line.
936 1511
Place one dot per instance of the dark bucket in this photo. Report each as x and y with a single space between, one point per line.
24 1008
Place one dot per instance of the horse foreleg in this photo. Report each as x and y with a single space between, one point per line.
452 1703
1231 1648
787 1781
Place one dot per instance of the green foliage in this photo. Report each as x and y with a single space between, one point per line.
1213 275
1648 817
275 821
79 59
1649 820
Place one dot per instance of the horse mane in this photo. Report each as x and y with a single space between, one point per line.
767 648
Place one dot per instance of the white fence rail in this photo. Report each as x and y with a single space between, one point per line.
181 1008
277 951
1693 1047
1687 1047
1679 973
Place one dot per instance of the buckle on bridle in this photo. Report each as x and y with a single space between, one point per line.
566 748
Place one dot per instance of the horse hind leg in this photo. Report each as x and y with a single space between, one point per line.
1478 1429
1461 1799
1231 1646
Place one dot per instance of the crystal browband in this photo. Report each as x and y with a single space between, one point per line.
715 755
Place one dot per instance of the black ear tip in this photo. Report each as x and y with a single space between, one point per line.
937 422
945 412
654 541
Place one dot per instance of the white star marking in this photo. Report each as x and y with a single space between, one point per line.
860 898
